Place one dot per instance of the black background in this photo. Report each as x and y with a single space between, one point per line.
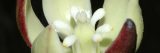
12 42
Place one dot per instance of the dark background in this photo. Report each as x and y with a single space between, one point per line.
12 42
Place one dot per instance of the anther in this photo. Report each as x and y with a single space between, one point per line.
68 41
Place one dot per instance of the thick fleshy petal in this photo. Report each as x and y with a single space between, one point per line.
48 42
117 12
126 40
28 23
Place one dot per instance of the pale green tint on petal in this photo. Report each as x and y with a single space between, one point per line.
34 26
48 42
104 44
134 13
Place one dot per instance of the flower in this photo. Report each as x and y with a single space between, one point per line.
84 21
72 28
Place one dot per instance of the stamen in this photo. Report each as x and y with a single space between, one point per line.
73 12
82 17
104 28
68 41
98 14
97 38
61 26
88 12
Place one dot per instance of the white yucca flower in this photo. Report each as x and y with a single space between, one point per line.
72 26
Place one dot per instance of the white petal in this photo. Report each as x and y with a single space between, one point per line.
98 14
104 28
68 41
97 38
